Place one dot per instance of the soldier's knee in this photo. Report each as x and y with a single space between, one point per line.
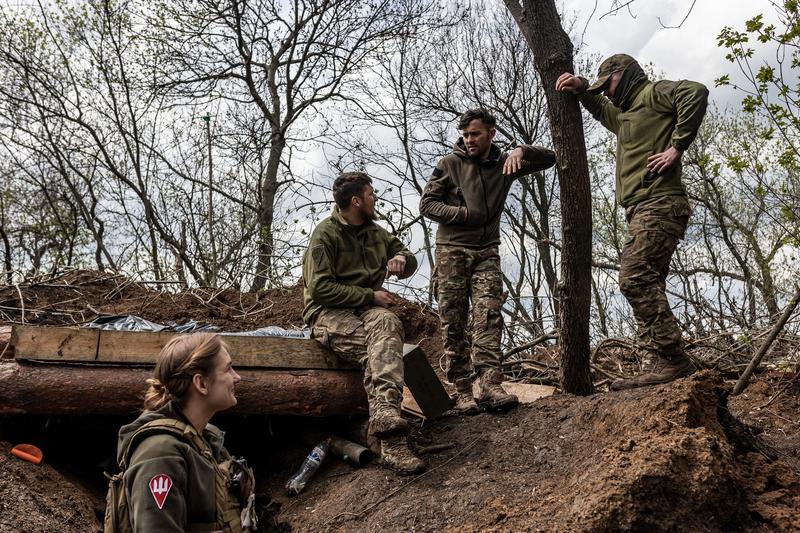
386 322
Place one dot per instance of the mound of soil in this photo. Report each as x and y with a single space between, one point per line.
665 458
38 498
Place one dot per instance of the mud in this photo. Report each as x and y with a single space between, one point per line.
668 458
678 457
39 498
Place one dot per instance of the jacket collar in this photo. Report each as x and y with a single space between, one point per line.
630 85
461 151
336 215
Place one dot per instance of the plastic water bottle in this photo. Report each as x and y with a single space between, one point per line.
298 481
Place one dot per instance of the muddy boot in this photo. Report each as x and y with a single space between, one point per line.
386 422
493 397
463 402
664 371
396 455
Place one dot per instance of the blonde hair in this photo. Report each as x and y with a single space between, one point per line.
180 359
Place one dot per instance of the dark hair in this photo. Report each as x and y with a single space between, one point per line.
347 185
180 359
478 113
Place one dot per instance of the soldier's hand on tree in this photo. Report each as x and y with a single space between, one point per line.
383 298
658 163
396 266
568 83
514 162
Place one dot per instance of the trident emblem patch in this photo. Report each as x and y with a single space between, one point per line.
159 488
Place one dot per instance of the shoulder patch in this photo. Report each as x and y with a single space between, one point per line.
666 86
437 172
319 257
159 488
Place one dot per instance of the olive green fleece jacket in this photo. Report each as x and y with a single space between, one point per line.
344 265
466 196
651 118
191 500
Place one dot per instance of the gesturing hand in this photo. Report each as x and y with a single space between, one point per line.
396 266
513 162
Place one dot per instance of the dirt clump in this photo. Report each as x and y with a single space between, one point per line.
667 458
39 498
673 457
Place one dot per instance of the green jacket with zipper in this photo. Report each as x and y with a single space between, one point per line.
466 196
650 118
344 265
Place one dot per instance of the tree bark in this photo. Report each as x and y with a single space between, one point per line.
266 214
541 25
50 389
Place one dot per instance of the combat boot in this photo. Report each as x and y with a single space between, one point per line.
396 455
463 402
493 397
386 422
664 370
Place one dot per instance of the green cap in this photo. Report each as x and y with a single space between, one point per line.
608 67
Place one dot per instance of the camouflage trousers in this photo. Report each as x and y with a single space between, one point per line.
371 337
654 229
463 274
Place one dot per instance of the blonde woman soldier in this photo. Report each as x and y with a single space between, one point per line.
177 475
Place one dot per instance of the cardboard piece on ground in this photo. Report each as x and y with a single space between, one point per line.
410 404
526 392
428 392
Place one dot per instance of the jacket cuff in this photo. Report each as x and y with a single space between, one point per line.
369 296
539 157
680 146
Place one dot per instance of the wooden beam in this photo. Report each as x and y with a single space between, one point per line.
93 390
85 345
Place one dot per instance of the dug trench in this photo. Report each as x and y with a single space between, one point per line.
674 457
667 458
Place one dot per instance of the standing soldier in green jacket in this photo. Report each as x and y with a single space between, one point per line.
654 124
345 265
466 194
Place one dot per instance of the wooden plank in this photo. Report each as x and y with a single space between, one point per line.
141 347
55 344
6 348
424 384
410 405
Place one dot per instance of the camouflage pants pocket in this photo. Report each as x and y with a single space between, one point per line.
487 317
642 280
383 369
343 332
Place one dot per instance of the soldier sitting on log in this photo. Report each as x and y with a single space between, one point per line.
347 260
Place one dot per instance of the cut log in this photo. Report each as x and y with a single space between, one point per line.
59 358
35 389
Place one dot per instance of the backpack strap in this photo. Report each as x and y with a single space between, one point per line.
168 426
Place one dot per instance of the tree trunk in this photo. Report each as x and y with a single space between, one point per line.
47 389
540 24
266 214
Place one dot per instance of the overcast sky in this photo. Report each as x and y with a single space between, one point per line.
687 52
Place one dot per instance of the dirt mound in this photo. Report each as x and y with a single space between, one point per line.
40 499
79 296
663 458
